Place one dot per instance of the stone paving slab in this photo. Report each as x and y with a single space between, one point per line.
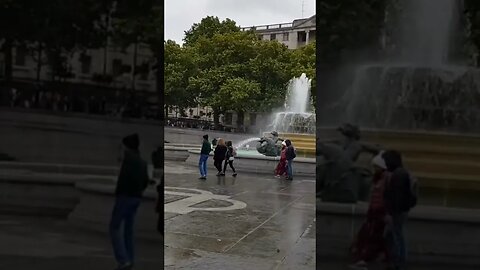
274 231
51 244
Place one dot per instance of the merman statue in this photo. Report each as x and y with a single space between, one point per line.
340 180
270 146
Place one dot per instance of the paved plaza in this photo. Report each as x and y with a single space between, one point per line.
247 222
52 244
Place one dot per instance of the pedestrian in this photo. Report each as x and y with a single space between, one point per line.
399 197
229 158
290 155
132 182
281 169
204 154
219 156
370 241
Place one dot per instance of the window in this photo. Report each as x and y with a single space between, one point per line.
117 67
86 63
260 37
253 119
20 56
285 36
302 37
273 36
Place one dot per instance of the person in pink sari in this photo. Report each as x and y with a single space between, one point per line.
281 169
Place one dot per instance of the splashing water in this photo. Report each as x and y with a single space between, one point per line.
296 117
246 143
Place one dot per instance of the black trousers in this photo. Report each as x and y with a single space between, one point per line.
228 162
218 164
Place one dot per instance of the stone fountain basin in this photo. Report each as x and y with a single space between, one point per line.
434 234
83 194
259 164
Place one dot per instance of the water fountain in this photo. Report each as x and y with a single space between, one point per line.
295 122
420 103
419 89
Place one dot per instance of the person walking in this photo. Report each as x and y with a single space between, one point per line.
400 197
132 182
290 155
204 154
370 241
219 156
229 158
281 169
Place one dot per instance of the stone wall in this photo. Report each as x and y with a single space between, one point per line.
38 137
433 234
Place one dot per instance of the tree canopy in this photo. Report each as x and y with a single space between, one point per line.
228 69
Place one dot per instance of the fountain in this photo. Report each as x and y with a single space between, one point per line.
419 89
420 103
295 122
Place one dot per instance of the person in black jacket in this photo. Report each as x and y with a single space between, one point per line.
396 199
290 155
219 156
132 182
229 158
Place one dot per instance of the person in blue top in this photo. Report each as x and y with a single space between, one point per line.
204 154
290 154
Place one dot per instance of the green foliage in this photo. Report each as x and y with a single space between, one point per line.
348 25
208 27
178 63
228 69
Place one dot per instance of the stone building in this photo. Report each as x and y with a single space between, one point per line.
86 66
294 35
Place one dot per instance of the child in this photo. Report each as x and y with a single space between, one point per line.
229 158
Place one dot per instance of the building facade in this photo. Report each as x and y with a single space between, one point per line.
294 35
87 66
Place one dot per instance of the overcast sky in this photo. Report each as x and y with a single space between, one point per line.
180 15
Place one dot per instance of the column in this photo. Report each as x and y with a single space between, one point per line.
308 36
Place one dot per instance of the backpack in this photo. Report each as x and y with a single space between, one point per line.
294 152
234 152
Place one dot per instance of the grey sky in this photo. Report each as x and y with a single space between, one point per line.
181 14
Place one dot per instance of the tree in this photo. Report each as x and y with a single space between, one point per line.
348 25
178 67
14 28
208 27
55 27
304 61
133 21
222 57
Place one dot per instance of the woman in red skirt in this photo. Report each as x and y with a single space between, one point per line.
370 241
281 169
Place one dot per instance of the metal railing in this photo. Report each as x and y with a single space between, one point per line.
267 27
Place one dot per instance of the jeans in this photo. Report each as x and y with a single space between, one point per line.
290 168
202 164
123 212
396 240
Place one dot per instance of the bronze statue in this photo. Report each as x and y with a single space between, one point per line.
340 180
270 146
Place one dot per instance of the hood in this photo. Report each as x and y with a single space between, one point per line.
379 161
393 160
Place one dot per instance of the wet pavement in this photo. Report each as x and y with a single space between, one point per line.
270 222
52 244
